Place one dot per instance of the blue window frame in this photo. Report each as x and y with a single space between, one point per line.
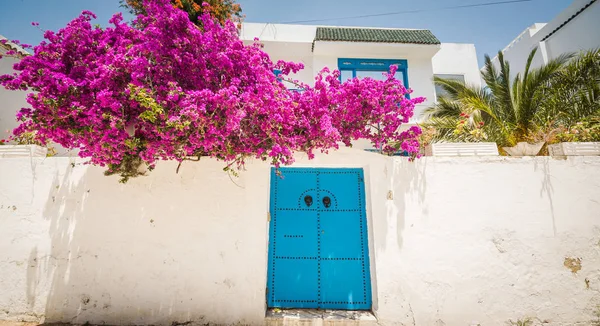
277 72
352 68
398 153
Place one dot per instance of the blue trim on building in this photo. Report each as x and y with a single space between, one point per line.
383 65
277 72
398 153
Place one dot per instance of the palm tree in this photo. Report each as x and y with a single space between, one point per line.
503 111
574 93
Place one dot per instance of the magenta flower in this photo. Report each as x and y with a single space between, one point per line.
167 90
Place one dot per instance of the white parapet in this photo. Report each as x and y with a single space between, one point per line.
22 151
461 149
575 149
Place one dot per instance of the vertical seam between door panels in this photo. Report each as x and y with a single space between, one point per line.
318 203
274 217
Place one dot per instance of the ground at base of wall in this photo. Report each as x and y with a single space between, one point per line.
17 323
289 318
313 317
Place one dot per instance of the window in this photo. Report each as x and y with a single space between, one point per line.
398 153
439 91
289 85
373 68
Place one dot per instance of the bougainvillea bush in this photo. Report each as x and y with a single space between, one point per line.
221 10
169 90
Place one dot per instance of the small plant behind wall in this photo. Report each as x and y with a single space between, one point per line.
587 130
29 138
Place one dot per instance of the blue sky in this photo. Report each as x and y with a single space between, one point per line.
490 27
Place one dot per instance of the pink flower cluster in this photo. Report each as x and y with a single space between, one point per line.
163 88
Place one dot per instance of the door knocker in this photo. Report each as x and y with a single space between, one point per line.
326 201
308 200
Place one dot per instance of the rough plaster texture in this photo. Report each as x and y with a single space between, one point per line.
453 241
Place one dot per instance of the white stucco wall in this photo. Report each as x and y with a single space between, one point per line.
458 59
579 34
453 241
285 42
84 249
517 52
267 32
10 101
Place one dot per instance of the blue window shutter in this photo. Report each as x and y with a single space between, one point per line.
383 65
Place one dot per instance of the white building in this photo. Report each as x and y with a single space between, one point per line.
361 51
10 101
574 29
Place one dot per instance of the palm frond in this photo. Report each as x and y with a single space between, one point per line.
453 88
573 92
536 80
444 107
503 93
489 73
444 127
529 61
563 91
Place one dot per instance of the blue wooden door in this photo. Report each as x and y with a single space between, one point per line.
318 247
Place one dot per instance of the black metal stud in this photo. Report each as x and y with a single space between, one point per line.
308 200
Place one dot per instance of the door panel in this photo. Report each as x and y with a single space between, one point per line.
341 235
343 284
318 246
296 283
295 234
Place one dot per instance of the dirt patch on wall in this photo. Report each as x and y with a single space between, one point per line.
574 264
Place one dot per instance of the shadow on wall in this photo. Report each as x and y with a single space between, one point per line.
406 182
402 183
162 249
547 188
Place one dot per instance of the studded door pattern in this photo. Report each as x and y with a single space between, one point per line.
318 247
